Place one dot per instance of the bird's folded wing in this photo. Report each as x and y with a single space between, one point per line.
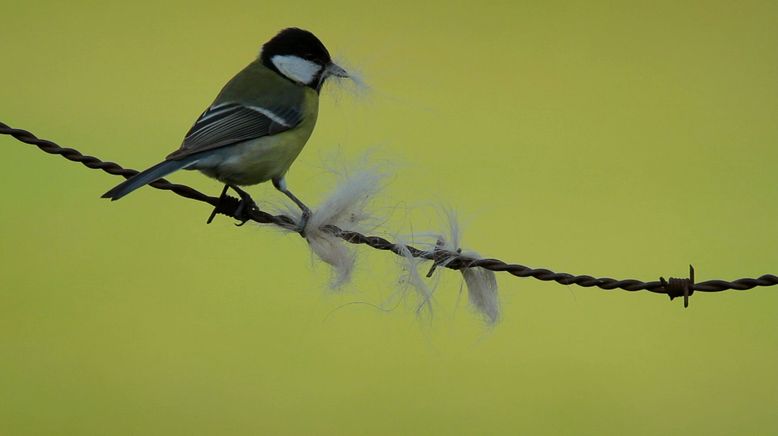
229 123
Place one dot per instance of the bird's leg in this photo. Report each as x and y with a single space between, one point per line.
280 184
218 203
244 207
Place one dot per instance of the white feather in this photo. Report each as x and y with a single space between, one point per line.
346 208
481 283
411 277
482 292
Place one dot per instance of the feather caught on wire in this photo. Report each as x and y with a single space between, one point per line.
481 283
347 207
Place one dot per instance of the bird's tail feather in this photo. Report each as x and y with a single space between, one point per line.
145 177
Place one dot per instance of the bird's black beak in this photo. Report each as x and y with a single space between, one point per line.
334 70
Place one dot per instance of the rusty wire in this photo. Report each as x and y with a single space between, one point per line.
674 287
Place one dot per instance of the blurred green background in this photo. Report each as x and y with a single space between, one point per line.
622 139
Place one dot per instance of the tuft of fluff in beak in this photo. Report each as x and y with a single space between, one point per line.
346 208
353 84
481 283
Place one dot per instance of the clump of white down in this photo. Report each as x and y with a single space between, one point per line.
346 208
411 277
481 283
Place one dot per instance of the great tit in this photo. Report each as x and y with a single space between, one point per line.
258 123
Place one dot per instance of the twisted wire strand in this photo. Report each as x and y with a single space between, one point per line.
456 261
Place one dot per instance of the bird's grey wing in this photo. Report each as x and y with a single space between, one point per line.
229 123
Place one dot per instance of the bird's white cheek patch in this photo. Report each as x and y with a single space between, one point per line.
296 68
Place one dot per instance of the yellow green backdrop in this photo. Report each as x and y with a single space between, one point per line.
622 139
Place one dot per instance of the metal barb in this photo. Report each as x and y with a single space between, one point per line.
219 205
680 287
437 256
453 260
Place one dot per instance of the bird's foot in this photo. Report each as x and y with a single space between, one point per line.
304 221
280 184
246 205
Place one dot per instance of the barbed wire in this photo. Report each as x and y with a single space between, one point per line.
227 205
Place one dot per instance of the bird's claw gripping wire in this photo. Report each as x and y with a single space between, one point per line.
246 205
304 221
241 211
280 184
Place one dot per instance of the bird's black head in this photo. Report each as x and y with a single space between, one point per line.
299 56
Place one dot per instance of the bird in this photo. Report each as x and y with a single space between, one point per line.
257 125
